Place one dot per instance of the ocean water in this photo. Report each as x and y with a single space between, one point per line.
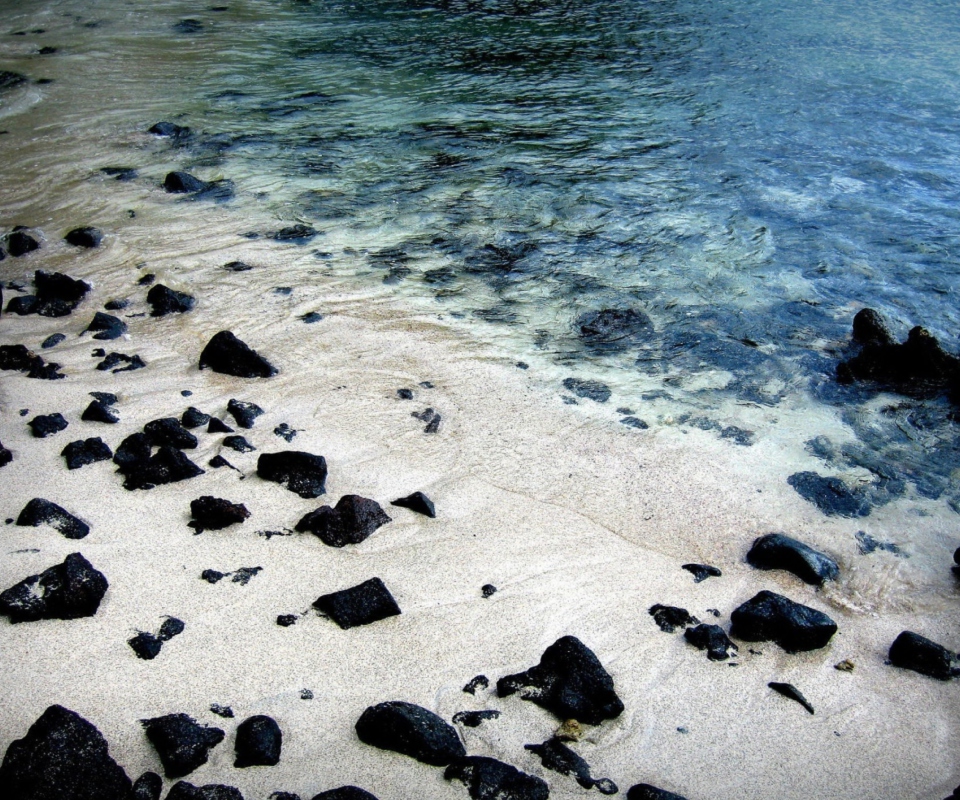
741 178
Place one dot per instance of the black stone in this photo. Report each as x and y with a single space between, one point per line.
792 692
85 451
259 740
569 681
226 354
556 756
133 452
62 757
210 791
28 304
218 426
221 711
215 513
915 652
105 397
147 279
167 465
170 627
116 305
701 572
237 266
712 639
345 793
69 590
644 791
194 418
146 645
5 456
831 495
489 779
405 394
238 443
164 300
286 620
42 512
84 237
669 618
298 234
169 130
188 26
243 412
433 425
867 544
773 617
479 682
45 425
58 294
19 243
113 360
10 80
147 787
611 329
362 604
488 590
634 422
106 326
213 575
411 730
183 183
311 317
592 390
181 743
776 551
98 411
120 173
302 473
351 521
472 719
285 432
53 340
418 502
18 357
169 431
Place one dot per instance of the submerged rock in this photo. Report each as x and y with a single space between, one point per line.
352 520
362 604
411 730
106 326
669 618
42 512
259 741
183 183
302 473
592 390
489 779
215 513
58 294
69 590
164 300
297 234
773 617
418 502
62 757
831 495
226 354
53 340
915 652
614 329
86 451
556 756
243 412
712 639
181 742
569 681
84 237
169 130
45 425
777 551
10 80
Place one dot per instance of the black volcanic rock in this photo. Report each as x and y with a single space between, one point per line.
18 357
644 791
42 512
569 681
194 418
169 431
830 494
298 234
167 465
701 572
773 617
669 618
613 329
226 354
19 243
489 779
183 183
351 521
182 790
85 451
181 742
218 426
170 627
238 443
5 456
302 473
44 425
793 693
592 390
69 590
215 513
164 300
133 452
53 340
362 604
145 645
84 237
10 80
344 793
411 730
418 502
58 294
472 719
106 326
243 412
556 756
478 682
259 740
776 551
915 652
98 411
712 639
112 362
147 787
62 757
169 130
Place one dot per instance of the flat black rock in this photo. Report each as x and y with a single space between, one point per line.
569 681
183 183
182 790
352 520
243 412
411 730
644 791
556 756
194 418
62 757
777 551
772 617
42 512
790 691
712 639
259 741
167 465
164 300
218 426
84 237
701 572
225 353
345 793
69 590
592 390
830 494
45 425
98 411
418 502
238 443
146 645
112 363
215 513
53 340
86 451
181 742
915 652
669 618
169 431
489 779
147 787
302 473
611 328
362 604
106 326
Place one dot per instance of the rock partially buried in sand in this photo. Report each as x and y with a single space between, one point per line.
58 294
69 590
215 513
147 787
42 512
362 604
106 326
772 617
669 618
99 411
169 130
489 779
776 551
62 757
84 237
556 756
302 473
592 390
644 791
701 572
411 730
418 502
472 719
226 354
569 681
915 652
164 300
259 741
181 742
344 793
183 183
712 639
210 791
243 412
351 521
18 357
